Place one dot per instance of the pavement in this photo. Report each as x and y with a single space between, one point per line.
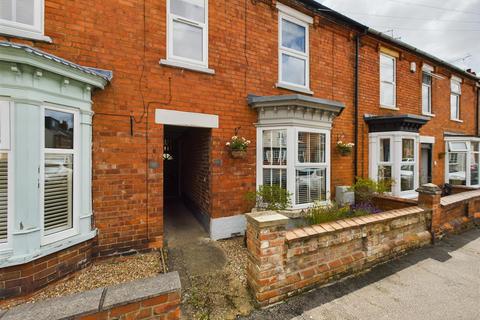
440 282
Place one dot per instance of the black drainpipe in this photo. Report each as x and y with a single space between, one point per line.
355 106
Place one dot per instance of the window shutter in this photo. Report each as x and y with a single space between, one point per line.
3 196
58 192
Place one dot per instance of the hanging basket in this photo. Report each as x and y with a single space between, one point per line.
344 151
238 154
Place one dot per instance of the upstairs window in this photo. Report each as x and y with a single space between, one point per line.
426 93
294 65
22 18
455 94
387 81
188 31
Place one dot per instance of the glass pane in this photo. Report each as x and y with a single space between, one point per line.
311 147
276 177
387 72
457 146
58 192
408 150
25 12
6 9
387 94
426 79
384 150
475 146
426 99
293 36
310 185
455 106
187 41
474 169
384 173
58 129
457 164
274 147
190 9
293 70
3 196
407 177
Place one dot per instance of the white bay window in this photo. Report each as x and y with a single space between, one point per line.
22 18
462 161
4 172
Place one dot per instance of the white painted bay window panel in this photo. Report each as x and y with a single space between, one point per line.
3 197
4 125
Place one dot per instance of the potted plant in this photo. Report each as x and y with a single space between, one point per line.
344 148
238 147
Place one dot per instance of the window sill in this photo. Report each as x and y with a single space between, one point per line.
457 120
428 114
293 88
183 65
10 32
389 108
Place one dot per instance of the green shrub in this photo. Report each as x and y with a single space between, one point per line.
365 189
270 198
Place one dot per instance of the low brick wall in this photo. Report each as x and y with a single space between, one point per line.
386 203
150 298
28 277
283 263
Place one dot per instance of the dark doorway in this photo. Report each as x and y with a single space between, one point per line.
186 185
426 163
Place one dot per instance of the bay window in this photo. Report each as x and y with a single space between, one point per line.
187 26
394 157
4 172
462 162
387 81
293 46
455 94
22 18
296 159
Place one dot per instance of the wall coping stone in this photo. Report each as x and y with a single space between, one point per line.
264 219
429 188
96 300
345 224
454 198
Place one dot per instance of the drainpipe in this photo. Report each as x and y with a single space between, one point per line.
355 106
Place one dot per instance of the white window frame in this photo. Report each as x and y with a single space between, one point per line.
298 18
394 83
428 110
182 61
269 166
458 94
6 134
61 235
22 30
468 151
385 163
292 159
396 138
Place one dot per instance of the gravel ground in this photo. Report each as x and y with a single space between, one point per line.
222 294
100 274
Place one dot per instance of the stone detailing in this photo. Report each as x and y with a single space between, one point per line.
151 298
285 262
450 214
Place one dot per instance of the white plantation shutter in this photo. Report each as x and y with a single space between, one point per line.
3 196
58 192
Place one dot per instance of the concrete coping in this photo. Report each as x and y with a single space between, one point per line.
459 197
263 219
429 188
96 300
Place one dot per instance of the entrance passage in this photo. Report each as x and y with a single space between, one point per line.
186 185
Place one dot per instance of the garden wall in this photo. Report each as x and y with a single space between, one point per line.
283 263
450 214
150 298
386 203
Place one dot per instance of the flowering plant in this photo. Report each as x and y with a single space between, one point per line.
238 143
344 148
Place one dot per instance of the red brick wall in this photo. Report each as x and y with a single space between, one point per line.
386 203
127 195
29 277
195 168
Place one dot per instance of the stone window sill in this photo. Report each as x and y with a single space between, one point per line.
293 88
187 66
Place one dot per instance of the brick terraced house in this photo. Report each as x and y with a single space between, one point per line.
109 109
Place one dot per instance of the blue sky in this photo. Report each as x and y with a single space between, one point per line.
448 29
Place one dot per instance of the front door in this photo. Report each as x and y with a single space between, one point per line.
426 163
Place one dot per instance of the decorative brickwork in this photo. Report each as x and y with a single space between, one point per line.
283 263
26 278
